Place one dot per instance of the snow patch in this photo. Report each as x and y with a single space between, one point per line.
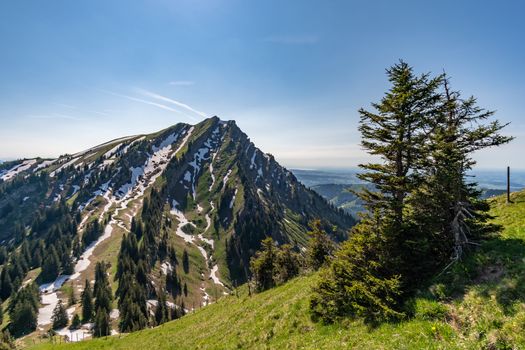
183 221
64 166
17 169
233 198
166 267
213 275
225 179
44 164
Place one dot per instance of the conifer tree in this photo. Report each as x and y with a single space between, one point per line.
23 319
101 325
59 317
67 264
7 285
161 312
185 262
320 247
262 265
87 303
7 341
102 289
23 312
287 264
50 266
446 207
422 207
75 322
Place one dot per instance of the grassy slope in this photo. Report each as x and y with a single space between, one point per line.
274 319
480 304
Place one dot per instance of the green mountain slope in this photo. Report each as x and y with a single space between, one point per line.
479 304
203 189
274 319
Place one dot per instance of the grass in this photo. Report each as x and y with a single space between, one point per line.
479 304
273 319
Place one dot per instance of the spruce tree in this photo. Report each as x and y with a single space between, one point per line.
287 264
185 262
23 319
59 317
6 341
101 326
320 247
161 312
50 266
7 285
75 322
421 210
67 264
87 303
102 289
262 265
447 206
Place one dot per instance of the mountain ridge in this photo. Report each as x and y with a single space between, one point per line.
204 189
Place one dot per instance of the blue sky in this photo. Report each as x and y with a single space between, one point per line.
291 73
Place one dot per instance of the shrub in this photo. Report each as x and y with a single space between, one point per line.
426 309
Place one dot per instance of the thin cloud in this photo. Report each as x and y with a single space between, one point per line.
101 113
169 100
293 39
54 116
63 105
131 98
182 83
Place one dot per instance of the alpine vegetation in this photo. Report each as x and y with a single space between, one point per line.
145 229
423 214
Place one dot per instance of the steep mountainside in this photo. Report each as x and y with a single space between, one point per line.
204 195
477 304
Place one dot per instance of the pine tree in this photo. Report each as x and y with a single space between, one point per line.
354 285
75 322
185 262
101 325
23 319
36 260
422 207
446 206
262 265
59 318
23 309
3 255
287 264
67 264
50 266
7 285
320 247
161 312
87 303
102 289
